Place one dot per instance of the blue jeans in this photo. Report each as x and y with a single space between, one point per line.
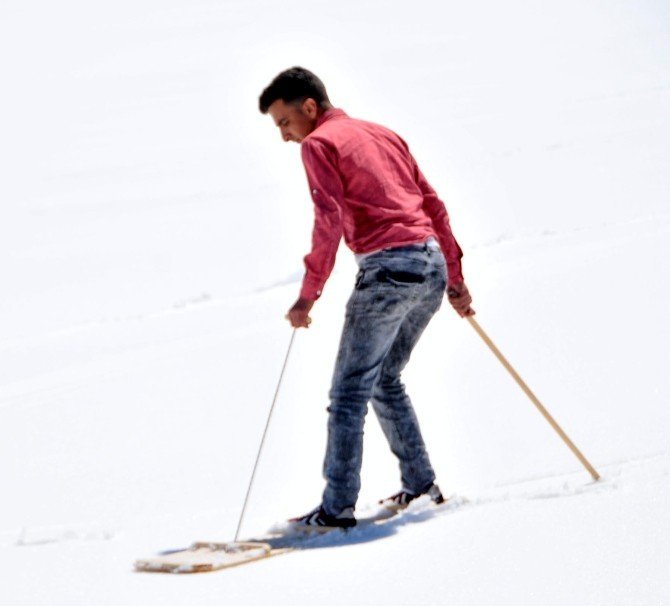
397 292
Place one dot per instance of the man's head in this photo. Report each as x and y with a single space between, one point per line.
295 99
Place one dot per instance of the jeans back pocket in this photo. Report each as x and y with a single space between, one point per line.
400 277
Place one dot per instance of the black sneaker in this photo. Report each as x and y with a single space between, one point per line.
318 519
402 499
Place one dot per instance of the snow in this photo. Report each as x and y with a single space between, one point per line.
152 227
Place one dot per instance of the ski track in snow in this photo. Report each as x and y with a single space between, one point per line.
615 477
656 467
52 535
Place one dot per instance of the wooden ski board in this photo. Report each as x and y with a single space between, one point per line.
208 557
205 556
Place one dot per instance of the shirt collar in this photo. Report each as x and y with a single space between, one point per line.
329 114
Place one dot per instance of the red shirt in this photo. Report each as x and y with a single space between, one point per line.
367 187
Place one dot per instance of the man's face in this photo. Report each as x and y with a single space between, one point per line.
294 120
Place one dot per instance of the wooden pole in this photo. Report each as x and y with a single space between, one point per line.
533 398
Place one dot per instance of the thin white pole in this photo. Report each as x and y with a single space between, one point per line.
265 432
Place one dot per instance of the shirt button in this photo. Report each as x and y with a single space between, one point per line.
314 191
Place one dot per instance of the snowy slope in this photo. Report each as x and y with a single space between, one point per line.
152 226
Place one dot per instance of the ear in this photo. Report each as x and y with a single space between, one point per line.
310 108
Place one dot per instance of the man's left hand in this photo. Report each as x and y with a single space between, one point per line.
298 315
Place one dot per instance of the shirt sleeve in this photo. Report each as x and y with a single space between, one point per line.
437 212
327 192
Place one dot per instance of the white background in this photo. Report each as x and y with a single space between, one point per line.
152 226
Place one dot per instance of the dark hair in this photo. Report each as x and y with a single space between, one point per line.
295 84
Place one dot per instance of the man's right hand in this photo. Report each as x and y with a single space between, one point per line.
460 299
298 315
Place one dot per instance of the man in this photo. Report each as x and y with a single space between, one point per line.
367 187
